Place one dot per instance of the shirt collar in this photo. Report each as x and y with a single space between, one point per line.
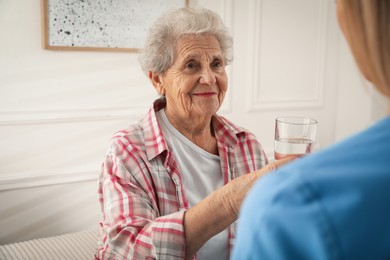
154 141
227 132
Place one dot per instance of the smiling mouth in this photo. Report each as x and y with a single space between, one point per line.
205 94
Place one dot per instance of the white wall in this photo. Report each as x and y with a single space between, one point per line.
58 109
57 112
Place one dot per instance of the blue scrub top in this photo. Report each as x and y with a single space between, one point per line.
333 204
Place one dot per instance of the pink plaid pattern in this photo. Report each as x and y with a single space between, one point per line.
141 194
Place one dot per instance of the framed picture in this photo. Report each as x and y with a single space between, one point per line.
100 25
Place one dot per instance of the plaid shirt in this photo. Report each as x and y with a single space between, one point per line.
141 194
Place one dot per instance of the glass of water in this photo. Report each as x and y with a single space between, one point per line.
294 136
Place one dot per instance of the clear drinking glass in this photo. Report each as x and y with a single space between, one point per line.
294 136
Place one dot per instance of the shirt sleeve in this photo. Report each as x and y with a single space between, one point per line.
282 218
131 226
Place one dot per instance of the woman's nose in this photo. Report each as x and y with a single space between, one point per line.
207 76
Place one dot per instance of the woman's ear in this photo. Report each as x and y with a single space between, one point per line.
157 82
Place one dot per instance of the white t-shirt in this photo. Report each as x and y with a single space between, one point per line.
201 174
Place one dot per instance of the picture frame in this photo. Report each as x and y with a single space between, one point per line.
103 25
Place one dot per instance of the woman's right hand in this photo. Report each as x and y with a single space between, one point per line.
239 187
274 165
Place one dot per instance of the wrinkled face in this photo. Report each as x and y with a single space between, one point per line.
196 83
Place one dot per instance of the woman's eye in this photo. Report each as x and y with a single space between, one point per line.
217 64
191 65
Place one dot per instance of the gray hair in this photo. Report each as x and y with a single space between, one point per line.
159 51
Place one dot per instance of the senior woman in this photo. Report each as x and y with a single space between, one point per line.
171 184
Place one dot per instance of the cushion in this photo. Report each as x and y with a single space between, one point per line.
80 245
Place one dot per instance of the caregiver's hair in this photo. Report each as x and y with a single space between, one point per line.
159 51
368 28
